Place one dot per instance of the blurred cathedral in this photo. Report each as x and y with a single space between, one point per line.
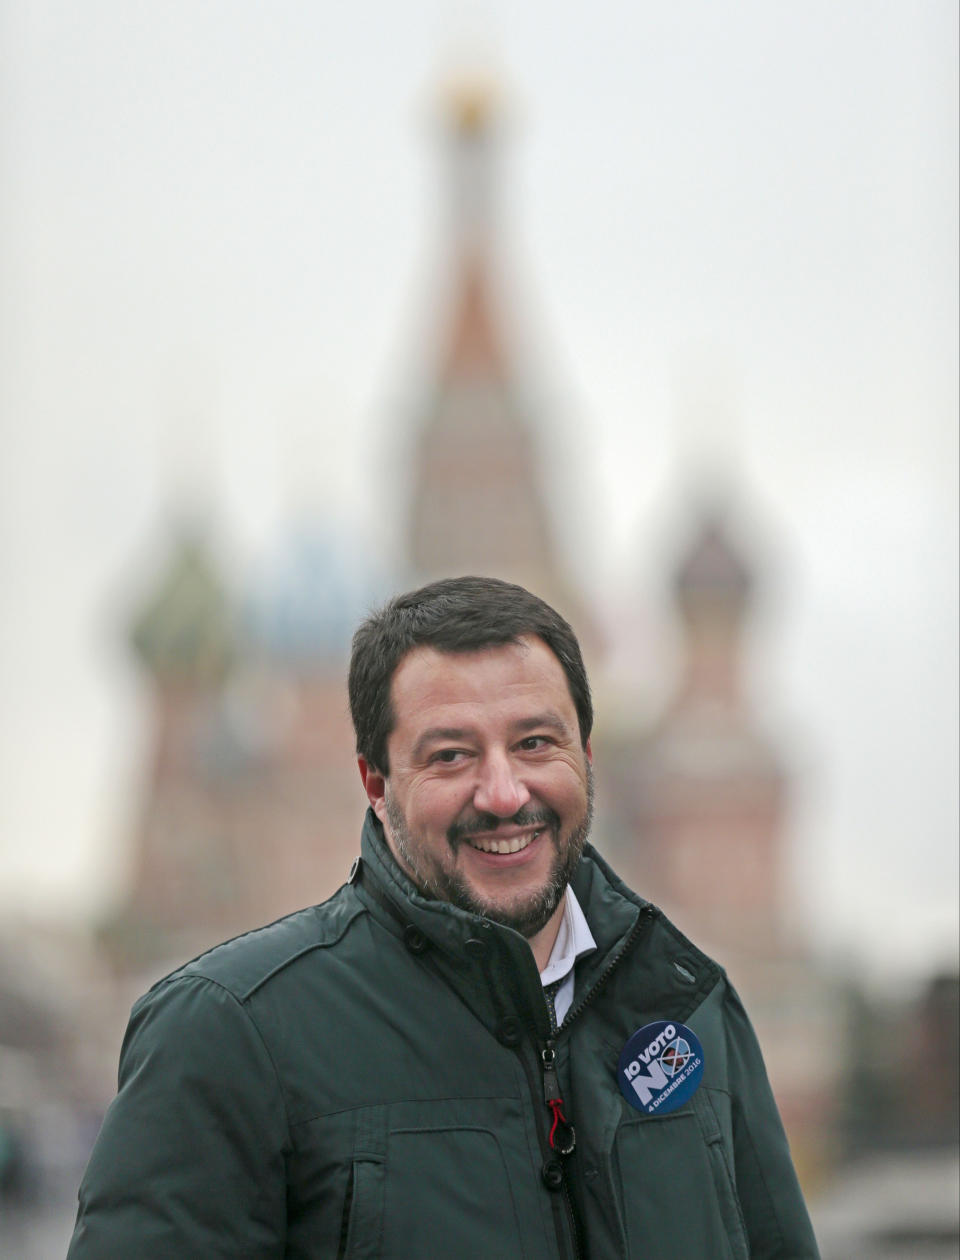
251 802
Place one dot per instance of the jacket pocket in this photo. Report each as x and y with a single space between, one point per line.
673 1200
451 1190
362 1221
426 1177
723 1176
362 1211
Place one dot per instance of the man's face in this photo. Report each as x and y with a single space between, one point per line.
488 801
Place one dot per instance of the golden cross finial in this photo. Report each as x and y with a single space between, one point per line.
471 101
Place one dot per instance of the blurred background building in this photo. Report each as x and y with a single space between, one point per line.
247 802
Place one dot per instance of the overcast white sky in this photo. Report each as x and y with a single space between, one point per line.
221 238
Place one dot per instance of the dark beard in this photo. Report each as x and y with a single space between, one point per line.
527 916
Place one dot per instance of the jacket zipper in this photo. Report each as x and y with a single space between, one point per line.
561 1130
562 1138
528 1071
545 1152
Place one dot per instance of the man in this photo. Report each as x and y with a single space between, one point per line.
484 1045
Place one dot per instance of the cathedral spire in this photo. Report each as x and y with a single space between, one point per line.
471 119
477 505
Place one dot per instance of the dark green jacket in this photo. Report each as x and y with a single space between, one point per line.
365 1079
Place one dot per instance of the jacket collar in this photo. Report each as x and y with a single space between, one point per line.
610 907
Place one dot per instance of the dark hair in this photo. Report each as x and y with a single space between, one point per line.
462 614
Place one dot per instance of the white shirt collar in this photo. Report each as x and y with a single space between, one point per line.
573 939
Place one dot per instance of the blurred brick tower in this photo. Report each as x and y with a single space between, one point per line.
704 788
698 814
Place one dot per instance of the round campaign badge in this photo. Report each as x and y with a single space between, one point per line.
660 1067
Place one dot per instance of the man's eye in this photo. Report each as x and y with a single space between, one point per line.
447 755
533 742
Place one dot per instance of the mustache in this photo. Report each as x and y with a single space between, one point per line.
527 816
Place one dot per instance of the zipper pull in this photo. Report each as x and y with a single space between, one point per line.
563 1137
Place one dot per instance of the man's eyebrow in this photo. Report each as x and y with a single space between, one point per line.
438 734
552 721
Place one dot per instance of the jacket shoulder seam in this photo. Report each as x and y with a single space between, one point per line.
300 953
199 966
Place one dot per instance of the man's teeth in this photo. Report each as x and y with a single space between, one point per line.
513 845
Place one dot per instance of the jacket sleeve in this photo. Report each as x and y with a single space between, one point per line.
778 1226
190 1160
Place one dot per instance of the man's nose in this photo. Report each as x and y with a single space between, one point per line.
500 790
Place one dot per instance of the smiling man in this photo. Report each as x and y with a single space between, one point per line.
484 1045
488 801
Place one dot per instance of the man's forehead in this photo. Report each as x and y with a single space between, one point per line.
428 673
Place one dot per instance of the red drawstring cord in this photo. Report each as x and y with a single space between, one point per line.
555 1105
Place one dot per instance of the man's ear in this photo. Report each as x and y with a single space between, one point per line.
375 786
